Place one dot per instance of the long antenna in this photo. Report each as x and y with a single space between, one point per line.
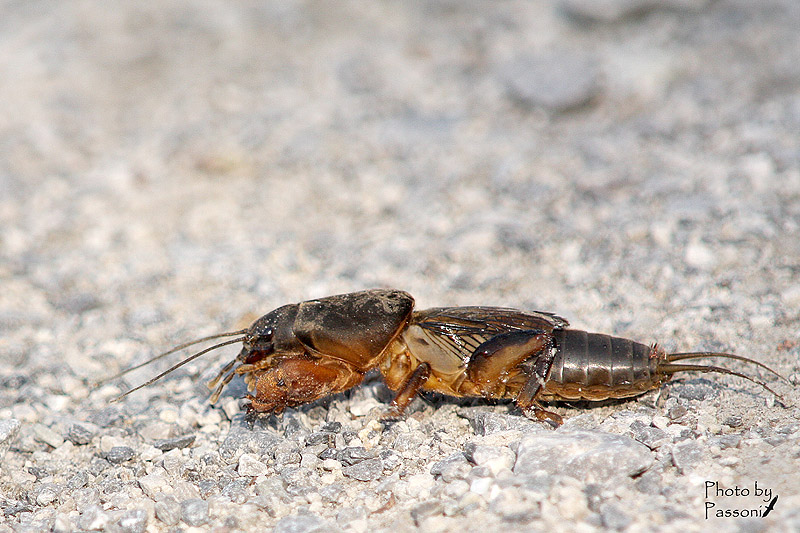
169 352
175 367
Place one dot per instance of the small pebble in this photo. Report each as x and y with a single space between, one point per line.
354 454
331 464
650 436
685 455
168 510
47 494
425 510
93 518
613 517
251 465
456 489
48 436
591 456
79 480
559 81
133 521
175 442
495 458
194 511
169 415
155 483
365 470
79 434
119 454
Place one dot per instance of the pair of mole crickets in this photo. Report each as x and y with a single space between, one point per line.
301 352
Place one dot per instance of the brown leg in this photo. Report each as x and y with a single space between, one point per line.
536 411
409 390
495 358
295 380
526 399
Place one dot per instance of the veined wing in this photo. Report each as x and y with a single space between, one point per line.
458 331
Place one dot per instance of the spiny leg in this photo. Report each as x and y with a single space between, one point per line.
526 399
218 390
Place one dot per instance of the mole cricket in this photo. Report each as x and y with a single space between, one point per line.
304 351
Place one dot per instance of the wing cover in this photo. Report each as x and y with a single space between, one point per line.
458 331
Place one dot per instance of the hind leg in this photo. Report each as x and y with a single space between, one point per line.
526 399
493 362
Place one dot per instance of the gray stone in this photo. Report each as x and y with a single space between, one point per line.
495 458
725 441
696 389
133 521
48 436
107 417
47 493
241 439
119 454
194 511
425 510
486 422
366 470
237 490
176 442
451 468
168 510
591 456
78 480
650 436
685 455
93 518
79 434
559 81
613 517
354 454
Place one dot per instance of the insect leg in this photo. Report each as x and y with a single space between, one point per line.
295 380
494 360
490 364
409 389
526 399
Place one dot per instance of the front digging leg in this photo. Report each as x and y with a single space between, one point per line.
296 380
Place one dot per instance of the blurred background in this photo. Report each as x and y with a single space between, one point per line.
171 170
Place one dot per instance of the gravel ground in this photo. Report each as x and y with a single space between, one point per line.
169 171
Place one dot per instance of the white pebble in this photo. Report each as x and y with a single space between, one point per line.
250 465
168 415
331 464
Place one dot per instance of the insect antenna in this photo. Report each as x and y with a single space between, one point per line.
170 352
673 368
175 367
178 365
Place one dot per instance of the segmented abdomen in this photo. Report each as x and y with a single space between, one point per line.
594 366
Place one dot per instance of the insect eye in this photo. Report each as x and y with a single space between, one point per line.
261 339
